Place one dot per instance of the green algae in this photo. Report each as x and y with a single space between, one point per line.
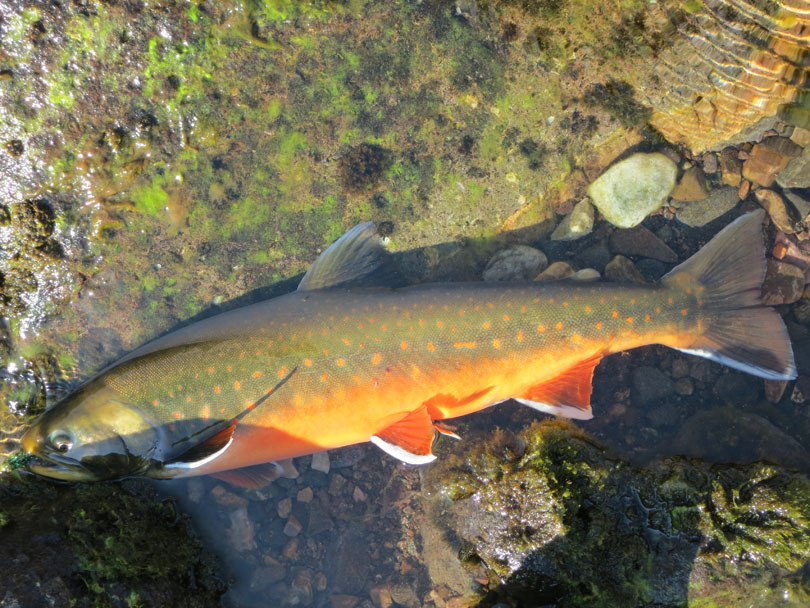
102 543
554 518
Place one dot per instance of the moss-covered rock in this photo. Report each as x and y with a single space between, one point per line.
102 546
556 520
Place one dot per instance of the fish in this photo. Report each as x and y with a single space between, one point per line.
345 359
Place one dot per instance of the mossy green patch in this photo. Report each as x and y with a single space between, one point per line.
602 533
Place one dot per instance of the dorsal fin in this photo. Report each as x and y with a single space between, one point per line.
356 259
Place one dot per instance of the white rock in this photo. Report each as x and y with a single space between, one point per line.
632 189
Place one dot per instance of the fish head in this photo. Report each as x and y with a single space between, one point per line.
91 435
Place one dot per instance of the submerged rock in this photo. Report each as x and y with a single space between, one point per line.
603 533
518 263
700 213
576 224
633 188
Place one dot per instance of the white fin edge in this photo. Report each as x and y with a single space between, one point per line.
741 365
566 411
399 453
199 463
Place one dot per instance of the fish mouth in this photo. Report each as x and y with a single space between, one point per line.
53 468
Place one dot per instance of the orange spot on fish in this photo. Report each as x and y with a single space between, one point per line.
601 300
282 371
324 377
599 325
371 319
421 323
323 332
188 399
376 358
210 370
565 304
490 304
155 402
179 387
464 344
257 374
439 324
520 336
222 410
506 317
485 325
399 323
576 338
431 347
647 318
176 415
356 378
523 308
541 328
689 291
559 325
477 307
242 355
683 311
216 389
700 302
230 368
205 413
669 300
403 345
250 405
325 351
308 362
237 384
496 343
657 310
269 390
359 326
615 314
629 319
632 300
384 327
340 362
346 341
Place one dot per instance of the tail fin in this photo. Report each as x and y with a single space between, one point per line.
742 333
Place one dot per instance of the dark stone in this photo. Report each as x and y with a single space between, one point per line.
640 241
650 386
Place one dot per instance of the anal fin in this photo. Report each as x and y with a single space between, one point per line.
409 439
567 395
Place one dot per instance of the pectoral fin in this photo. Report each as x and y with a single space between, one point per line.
409 439
567 395
205 451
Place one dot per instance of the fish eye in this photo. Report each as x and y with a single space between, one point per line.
61 441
